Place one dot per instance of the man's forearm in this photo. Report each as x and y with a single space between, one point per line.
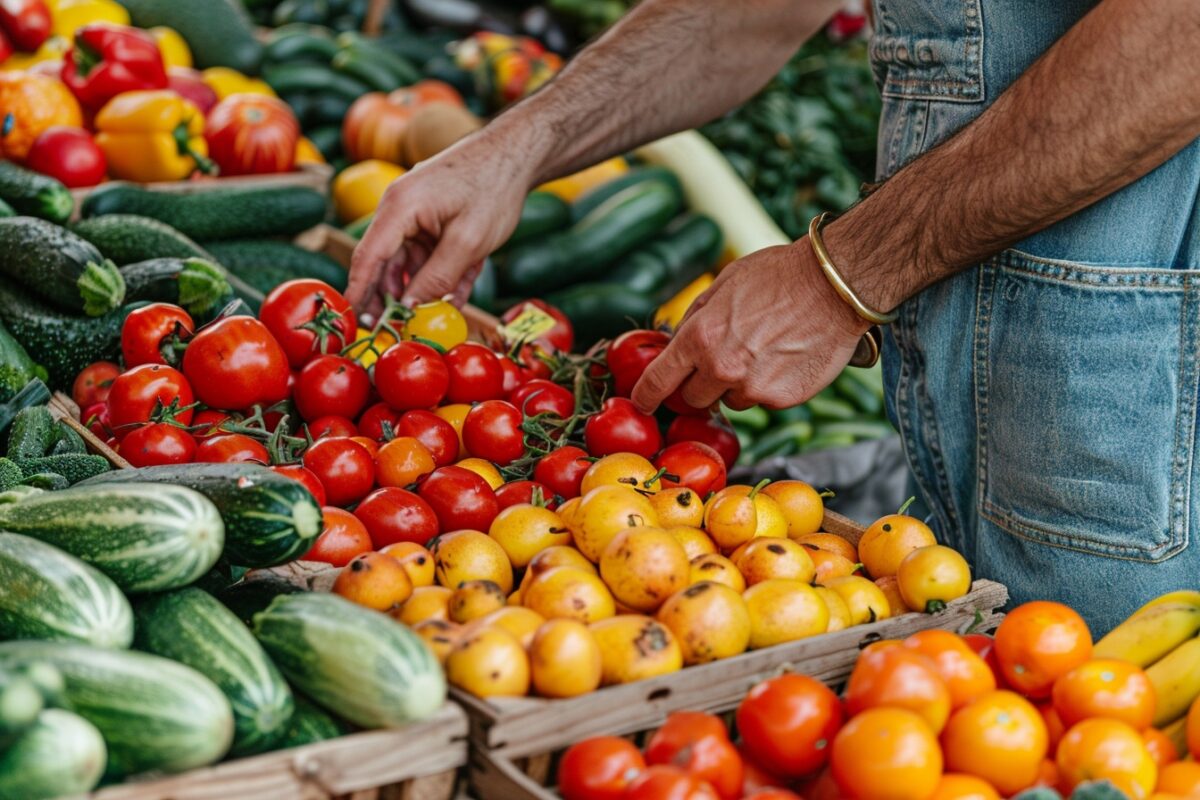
667 66
1118 95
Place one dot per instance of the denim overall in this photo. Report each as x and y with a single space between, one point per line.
1046 398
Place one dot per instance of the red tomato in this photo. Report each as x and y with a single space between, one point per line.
343 537
150 329
513 377
788 723
303 477
292 306
344 467
599 769
516 492
395 515
252 134
981 643
694 465
331 426
460 498
411 375
68 154
208 423
372 421
714 431
156 444
620 428
93 383
475 374
371 445
699 743
560 337
754 777
530 364
231 448
663 782
136 393
562 470
96 418
629 355
540 396
435 433
236 364
492 430
331 385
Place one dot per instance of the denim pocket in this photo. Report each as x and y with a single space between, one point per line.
929 50
1086 381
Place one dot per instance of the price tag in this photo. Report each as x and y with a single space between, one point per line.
531 323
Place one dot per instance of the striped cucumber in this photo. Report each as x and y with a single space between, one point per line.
146 538
61 754
310 723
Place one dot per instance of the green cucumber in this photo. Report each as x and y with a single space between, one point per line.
590 200
193 283
247 258
288 78
685 249
248 597
361 66
34 393
754 418
48 594
45 481
33 194
67 441
153 713
130 238
327 139
10 474
858 428
822 441
862 388
541 214
310 724
602 310
328 108
364 665
299 46
404 71
269 519
218 32
60 754
300 12
73 467
20 703
16 367
192 627
32 433
146 538
827 406
61 268
217 214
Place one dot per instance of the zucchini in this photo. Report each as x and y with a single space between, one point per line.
688 246
153 713
33 393
192 627
364 665
129 238
328 108
60 754
617 226
404 71
247 258
327 139
32 433
376 75
313 44
602 310
16 367
67 441
541 214
248 597
10 474
48 594
825 405
73 467
590 200
20 703
33 194
193 283
59 267
269 519
310 724
218 32
218 214
288 78
146 538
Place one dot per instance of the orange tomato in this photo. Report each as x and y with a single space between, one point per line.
1181 778
1193 729
1105 688
959 786
832 543
890 586
1161 748
886 754
999 737
888 675
371 445
888 540
802 506
1106 749
374 580
828 564
965 674
1054 725
1039 642
1047 774
402 461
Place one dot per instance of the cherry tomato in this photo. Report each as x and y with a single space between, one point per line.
437 321
332 426
664 782
629 355
343 467
529 361
293 309
714 431
156 444
236 363
620 428
231 448
513 377
517 492
599 769
136 393
96 418
492 430
331 385
150 329
93 383
694 465
460 498
438 435
372 421
371 445
208 423
411 375
402 462
343 537
67 153
475 374
788 723
540 396
303 477
699 743
562 470
395 515
561 337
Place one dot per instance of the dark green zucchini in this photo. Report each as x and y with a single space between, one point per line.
129 238
33 194
287 78
265 263
688 246
16 367
602 310
591 199
299 45
58 266
541 214
193 283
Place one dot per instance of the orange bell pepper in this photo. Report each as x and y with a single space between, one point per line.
150 136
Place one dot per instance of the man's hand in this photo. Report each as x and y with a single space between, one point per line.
770 331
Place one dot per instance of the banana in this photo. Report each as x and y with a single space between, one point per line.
1176 680
1183 596
1150 634
1177 733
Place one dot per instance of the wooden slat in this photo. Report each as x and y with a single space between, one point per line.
373 22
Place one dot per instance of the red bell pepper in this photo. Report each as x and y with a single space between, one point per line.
108 60
27 22
6 46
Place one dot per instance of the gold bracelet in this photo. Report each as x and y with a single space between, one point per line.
835 278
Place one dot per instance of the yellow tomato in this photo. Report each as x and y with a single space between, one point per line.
716 568
484 469
174 48
489 662
68 16
416 560
366 351
930 577
634 648
621 469
603 513
439 322
358 188
565 658
802 506
525 530
461 556
455 413
866 601
768 513
678 507
784 610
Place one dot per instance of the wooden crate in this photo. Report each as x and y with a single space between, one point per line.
417 762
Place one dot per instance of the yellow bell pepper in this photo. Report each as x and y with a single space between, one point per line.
225 81
68 16
358 188
173 46
152 136
670 313
307 152
53 49
570 187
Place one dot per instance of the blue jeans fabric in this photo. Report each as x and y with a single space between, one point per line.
1047 398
